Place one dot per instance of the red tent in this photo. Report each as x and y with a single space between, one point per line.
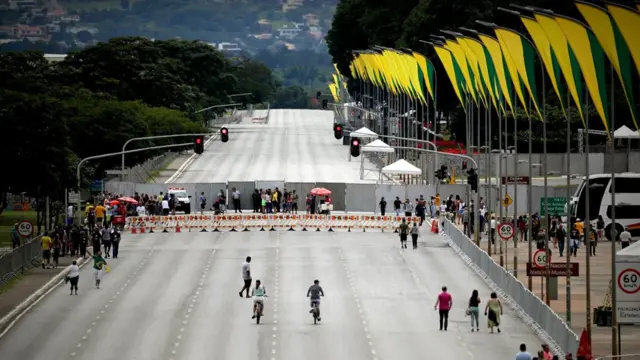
584 347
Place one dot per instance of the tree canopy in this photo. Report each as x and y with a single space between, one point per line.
93 101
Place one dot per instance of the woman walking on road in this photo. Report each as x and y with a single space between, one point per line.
73 275
493 311
415 233
473 310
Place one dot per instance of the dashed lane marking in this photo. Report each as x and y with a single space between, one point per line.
106 306
361 313
195 296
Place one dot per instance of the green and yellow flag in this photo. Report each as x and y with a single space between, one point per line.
453 72
426 73
474 70
486 70
549 59
566 59
614 46
503 78
591 61
523 55
458 55
628 21
334 93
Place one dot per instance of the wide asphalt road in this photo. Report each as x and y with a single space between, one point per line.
296 145
175 296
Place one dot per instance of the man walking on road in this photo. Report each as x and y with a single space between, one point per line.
15 237
246 276
444 304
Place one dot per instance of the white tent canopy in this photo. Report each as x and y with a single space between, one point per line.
401 167
378 146
625 133
629 254
364 133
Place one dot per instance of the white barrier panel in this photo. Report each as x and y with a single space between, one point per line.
265 222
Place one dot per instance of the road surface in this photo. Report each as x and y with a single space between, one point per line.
175 296
296 145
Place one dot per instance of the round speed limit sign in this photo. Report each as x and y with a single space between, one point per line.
629 281
25 228
505 231
540 259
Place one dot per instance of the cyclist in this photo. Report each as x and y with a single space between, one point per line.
315 291
258 293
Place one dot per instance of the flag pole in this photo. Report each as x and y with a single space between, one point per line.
515 192
587 220
615 327
568 213
544 169
489 200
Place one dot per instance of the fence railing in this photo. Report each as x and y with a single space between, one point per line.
533 311
22 259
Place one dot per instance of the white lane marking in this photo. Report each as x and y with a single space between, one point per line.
354 293
194 298
106 306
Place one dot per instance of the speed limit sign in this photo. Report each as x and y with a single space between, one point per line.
505 231
25 228
629 281
540 259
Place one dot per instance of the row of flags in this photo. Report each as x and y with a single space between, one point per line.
499 69
337 85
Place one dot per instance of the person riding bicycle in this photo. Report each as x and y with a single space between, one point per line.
315 291
258 293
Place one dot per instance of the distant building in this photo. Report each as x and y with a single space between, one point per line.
291 4
311 19
25 31
265 25
55 57
22 4
289 33
56 15
226 46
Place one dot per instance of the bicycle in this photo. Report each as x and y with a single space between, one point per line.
314 312
259 309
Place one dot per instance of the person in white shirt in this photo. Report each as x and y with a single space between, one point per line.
141 211
625 238
235 196
246 276
73 275
70 215
165 207
523 354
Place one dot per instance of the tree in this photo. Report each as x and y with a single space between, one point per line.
256 78
290 97
84 36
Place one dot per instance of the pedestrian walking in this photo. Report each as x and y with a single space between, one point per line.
73 276
383 206
473 310
55 247
99 267
84 241
404 231
443 305
96 239
46 242
246 276
115 242
415 233
15 237
493 311
203 203
625 238
575 240
106 241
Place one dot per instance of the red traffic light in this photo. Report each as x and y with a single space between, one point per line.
355 142
338 128
198 141
224 131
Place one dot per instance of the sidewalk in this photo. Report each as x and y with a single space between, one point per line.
15 292
600 276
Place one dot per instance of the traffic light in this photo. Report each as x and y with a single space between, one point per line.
198 145
464 165
318 95
337 131
472 179
244 105
224 134
442 173
355 147
324 104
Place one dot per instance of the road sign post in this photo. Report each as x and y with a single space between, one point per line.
25 228
628 292
556 205
540 259
507 201
505 231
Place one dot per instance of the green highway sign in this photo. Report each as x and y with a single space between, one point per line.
555 204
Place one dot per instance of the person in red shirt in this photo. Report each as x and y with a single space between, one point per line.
444 304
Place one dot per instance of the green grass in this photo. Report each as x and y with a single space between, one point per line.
91 5
6 287
9 218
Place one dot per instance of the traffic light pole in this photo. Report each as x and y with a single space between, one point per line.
79 214
124 147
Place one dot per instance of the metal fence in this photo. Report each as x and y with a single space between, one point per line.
22 259
533 311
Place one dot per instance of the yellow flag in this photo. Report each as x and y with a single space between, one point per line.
628 22
493 48
449 67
